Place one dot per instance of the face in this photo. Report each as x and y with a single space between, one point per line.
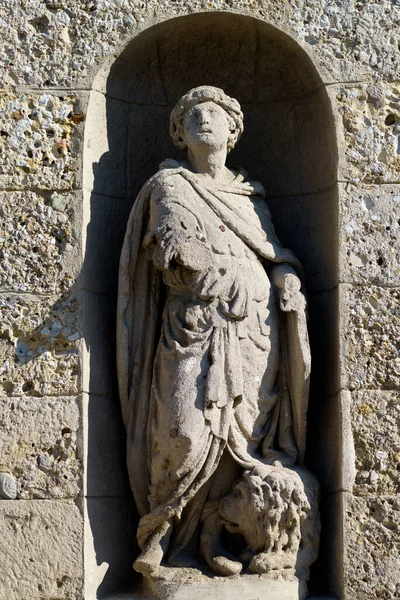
206 126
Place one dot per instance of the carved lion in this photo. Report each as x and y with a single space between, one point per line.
277 515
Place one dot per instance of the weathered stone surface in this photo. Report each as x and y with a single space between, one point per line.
44 557
336 470
304 224
370 333
372 557
37 148
40 442
371 122
38 242
196 586
8 485
138 596
370 234
107 164
256 154
110 536
99 377
317 143
106 474
104 237
39 344
375 419
59 46
352 40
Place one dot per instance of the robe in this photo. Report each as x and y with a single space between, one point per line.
207 362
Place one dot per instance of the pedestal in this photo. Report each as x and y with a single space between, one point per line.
193 584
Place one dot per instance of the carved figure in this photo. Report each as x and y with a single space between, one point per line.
277 515
213 359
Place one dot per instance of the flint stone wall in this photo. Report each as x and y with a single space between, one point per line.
61 436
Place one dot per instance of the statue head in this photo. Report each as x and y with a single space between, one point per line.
207 95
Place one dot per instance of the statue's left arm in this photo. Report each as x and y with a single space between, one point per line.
287 276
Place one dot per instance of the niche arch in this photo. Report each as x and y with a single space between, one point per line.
289 144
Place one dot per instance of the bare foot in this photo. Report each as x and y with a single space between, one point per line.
149 560
144 566
223 565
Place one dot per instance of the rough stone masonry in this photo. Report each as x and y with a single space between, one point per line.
55 390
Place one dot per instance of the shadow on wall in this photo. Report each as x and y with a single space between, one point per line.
289 145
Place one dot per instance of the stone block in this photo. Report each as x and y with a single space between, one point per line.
40 443
375 420
371 126
51 45
315 130
327 572
324 410
39 345
106 473
44 557
136 596
323 454
370 330
348 470
350 41
59 47
39 139
331 453
180 54
149 144
323 310
106 135
104 237
172 584
370 234
110 546
270 153
371 550
39 241
136 76
202 52
304 224
281 66
99 334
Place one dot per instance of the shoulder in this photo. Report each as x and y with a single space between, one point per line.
168 181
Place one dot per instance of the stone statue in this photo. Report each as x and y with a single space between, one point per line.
214 363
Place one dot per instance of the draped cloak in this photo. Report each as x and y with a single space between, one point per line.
157 350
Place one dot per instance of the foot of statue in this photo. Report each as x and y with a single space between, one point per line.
147 563
222 565
149 560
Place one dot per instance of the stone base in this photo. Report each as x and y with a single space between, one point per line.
192 584
133 596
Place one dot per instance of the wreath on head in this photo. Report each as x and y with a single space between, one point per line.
206 93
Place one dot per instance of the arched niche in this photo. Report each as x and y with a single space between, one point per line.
289 144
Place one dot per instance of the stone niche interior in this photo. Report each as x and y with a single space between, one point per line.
289 145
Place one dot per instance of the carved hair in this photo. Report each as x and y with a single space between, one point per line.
206 93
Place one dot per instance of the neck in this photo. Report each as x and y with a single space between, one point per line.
211 164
